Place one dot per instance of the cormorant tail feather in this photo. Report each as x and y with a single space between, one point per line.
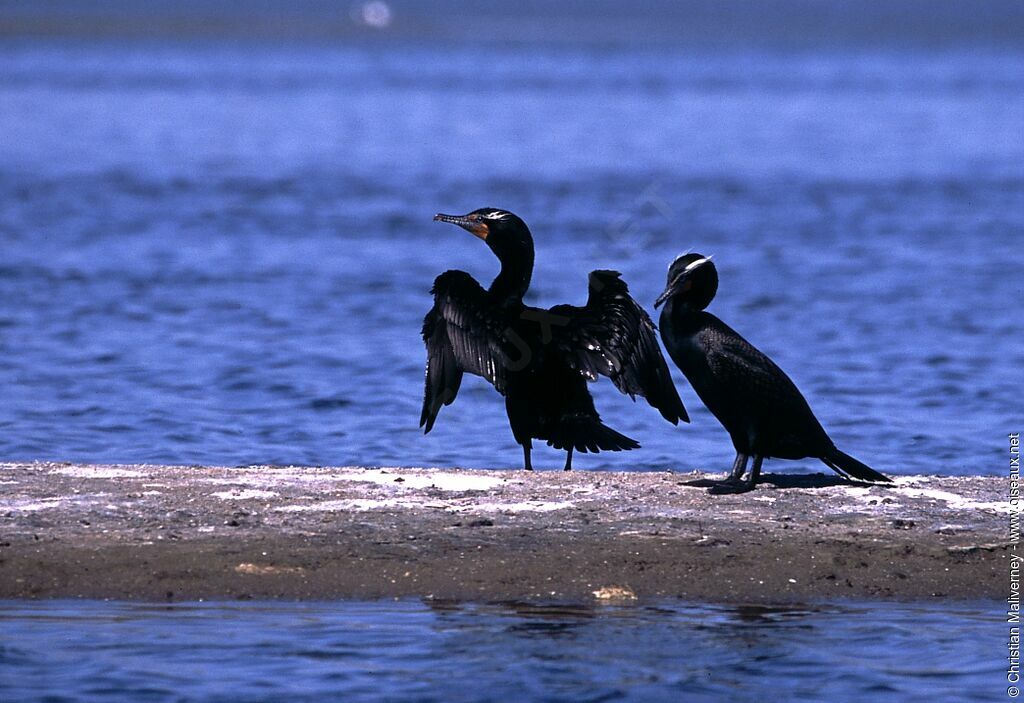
848 467
587 434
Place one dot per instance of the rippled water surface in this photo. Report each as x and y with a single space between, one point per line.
446 652
221 253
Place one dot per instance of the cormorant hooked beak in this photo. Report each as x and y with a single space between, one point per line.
472 224
681 283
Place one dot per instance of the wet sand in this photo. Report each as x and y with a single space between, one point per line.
185 533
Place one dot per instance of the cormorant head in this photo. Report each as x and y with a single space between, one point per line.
502 230
693 279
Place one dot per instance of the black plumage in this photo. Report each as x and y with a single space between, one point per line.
757 403
539 359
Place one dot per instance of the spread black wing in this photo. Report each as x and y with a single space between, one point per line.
613 336
464 332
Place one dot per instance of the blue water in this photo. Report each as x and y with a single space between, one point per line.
92 651
216 247
220 252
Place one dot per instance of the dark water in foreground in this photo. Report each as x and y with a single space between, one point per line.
221 254
406 650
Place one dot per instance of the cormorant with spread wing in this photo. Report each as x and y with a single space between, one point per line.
756 402
540 360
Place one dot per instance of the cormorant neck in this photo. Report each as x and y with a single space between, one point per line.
695 300
513 280
682 311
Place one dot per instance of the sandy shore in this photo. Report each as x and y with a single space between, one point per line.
176 533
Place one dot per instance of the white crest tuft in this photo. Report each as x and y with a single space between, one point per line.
694 264
681 255
496 215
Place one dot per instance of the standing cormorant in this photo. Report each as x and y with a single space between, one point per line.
759 406
540 360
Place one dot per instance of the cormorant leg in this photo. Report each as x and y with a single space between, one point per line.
568 460
739 466
734 482
526 456
755 472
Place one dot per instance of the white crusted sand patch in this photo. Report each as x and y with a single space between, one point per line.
333 506
448 481
908 480
412 503
27 505
953 501
440 480
245 494
97 472
529 506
